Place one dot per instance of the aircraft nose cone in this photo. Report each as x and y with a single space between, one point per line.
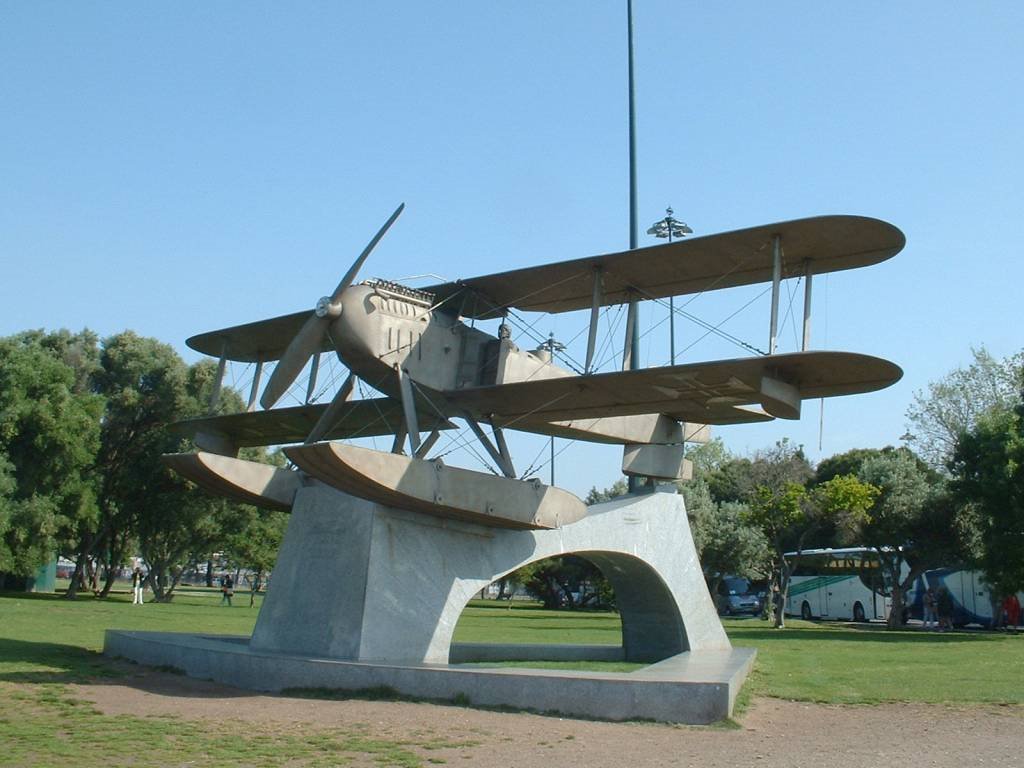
325 308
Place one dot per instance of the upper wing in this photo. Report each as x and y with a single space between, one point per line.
711 262
705 393
726 260
361 418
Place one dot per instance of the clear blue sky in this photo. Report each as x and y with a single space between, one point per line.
174 168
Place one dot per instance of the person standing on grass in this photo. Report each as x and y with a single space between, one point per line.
929 609
944 606
137 585
1011 609
227 589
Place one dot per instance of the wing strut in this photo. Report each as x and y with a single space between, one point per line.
218 379
330 417
506 456
314 370
595 312
256 376
808 274
400 434
501 458
409 407
628 351
427 444
773 330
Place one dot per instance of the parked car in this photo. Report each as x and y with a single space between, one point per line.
736 596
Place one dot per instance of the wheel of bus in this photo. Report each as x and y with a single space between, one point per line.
805 611
858 612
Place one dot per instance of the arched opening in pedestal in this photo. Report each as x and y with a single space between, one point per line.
594 606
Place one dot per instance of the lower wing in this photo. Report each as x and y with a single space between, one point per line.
715 392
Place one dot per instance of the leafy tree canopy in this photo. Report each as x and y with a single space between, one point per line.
988 478
618 488
49 431
955 404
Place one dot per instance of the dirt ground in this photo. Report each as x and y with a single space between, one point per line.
771 733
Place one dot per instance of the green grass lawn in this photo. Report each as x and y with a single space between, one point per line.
47 642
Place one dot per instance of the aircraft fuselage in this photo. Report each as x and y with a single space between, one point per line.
381 329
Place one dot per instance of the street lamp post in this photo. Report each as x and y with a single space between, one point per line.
670 227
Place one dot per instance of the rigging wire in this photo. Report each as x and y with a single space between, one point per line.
703 336
713 328
790 314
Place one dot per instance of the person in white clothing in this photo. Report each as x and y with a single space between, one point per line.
929 609
137 585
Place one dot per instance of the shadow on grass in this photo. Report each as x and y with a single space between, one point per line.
60 663
51 596
56 664
560 616
855 634
527 608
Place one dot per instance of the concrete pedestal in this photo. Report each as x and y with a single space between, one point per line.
365 595
364 582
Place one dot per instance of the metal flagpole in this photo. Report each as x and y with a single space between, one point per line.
634 357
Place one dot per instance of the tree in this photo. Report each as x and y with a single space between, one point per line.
568 580
618 488
708 457
988 478
725 544
778 514
729 546
146 387
904 524
785 512
731 481
559 581
253 541
848 463
172 517
253 536
142 382
954 404
49 431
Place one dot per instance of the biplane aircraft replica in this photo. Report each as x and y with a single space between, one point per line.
419 349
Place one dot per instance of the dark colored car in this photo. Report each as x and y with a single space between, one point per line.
735 596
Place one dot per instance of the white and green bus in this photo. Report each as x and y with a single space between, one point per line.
849 584
837 584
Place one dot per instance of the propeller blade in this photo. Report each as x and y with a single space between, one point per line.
308 340
305 344
350 276
330 416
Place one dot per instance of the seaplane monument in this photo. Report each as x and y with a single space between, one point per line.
384 550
